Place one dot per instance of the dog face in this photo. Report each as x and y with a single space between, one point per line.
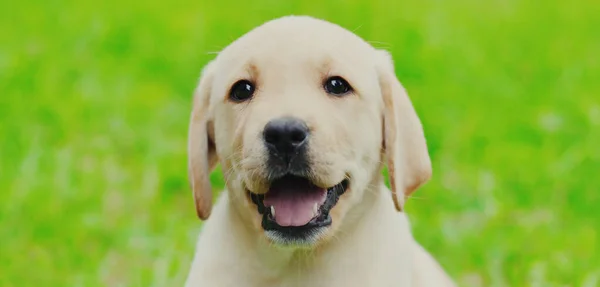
301 113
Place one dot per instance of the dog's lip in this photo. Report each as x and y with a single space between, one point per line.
346 181
321 219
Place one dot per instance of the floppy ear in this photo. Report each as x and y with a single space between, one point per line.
404 144
202 156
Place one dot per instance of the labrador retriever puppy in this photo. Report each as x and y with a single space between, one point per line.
302 115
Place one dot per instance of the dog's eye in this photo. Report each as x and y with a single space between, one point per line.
337 86
241 91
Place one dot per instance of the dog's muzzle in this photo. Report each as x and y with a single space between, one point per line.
294 208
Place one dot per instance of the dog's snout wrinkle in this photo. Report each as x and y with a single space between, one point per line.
285 135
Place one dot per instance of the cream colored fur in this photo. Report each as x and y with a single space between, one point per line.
369 242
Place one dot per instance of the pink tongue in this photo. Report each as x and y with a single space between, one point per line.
294 200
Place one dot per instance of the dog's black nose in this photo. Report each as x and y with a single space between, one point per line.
285 136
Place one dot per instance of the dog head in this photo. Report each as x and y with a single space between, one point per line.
302 115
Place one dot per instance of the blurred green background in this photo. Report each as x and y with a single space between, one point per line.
94 105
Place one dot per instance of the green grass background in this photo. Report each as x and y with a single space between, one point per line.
94 105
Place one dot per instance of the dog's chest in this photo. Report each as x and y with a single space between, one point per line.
367 265
379 265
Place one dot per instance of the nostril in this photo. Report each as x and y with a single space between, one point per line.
297 136
271 136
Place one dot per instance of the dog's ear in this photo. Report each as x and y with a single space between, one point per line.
202 156
408 162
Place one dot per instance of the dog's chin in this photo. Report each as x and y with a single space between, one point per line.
295 212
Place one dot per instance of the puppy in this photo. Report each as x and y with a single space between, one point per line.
302 116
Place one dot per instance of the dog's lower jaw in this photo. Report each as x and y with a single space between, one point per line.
307 242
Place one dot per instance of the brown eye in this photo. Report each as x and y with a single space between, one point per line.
241 91
337 86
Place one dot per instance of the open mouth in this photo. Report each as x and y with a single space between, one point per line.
294 205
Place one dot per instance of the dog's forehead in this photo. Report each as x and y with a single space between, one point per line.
297 39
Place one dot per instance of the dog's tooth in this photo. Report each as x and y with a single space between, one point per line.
273 211
315 209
